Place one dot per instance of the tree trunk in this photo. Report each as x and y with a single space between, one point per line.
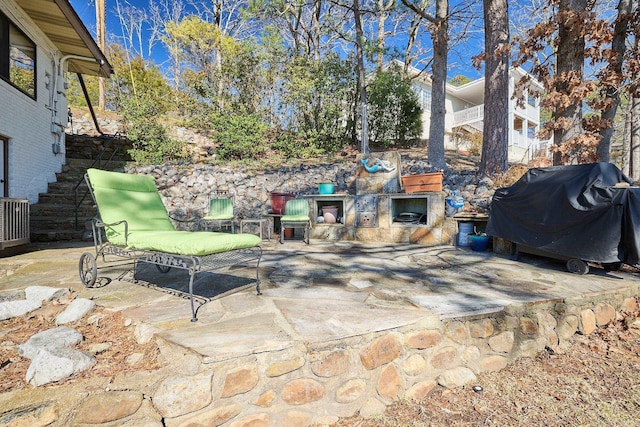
383 7
569 61
626 140
612 90
411 40
439 36
217 18
317 11
495 138
382 18
364 148
100 30
634 154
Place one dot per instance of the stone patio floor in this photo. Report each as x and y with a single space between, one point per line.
314 293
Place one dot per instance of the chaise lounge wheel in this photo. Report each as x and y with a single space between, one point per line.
88 269
577 266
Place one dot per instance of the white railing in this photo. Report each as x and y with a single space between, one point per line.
521 140
535 149
469 115
14 222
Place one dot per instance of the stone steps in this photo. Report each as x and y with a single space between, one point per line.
44 235
53 218
61 199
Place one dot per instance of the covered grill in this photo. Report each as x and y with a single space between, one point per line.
579 213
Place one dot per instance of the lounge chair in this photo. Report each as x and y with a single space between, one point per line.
220 214
133 223
296 215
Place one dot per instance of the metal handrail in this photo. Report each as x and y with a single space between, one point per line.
98 164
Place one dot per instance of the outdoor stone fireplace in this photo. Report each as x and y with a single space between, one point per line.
380 210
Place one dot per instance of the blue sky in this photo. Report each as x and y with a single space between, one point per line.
86 10
459 60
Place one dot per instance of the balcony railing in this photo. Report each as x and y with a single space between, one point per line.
476 114
469 115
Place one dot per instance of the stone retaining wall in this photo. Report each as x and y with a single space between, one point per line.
186 186
317 383
186 189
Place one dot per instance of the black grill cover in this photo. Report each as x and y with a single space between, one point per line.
571 211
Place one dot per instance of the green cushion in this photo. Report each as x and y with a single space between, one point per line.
220 209
188 242
133 198
297 208
217 217
294 218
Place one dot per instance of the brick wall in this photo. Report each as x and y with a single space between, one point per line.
27 123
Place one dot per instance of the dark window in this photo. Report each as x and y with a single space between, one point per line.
17 57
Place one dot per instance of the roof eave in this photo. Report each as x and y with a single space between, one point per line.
67 10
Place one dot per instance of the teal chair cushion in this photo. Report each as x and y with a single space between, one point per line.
220 209
296 210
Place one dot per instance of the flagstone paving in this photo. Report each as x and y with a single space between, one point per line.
315 295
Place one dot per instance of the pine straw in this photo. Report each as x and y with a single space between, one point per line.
105 327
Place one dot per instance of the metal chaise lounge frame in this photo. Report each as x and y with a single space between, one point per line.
133 224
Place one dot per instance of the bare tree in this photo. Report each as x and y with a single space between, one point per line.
416 23
495 138
633 115
307 28
611 77
161 12
439 35
569 69
132 22
362 84
634 138
383 10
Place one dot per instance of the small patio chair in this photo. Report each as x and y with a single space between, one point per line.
221 214
296 215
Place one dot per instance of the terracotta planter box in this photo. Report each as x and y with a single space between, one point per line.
424 183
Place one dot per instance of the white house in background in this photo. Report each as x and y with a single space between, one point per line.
39 41
465 115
